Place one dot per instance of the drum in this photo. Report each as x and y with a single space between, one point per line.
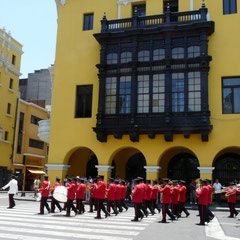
60 194
38 197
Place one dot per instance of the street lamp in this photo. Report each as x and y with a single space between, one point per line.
1 131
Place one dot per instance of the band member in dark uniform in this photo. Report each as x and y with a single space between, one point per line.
54 201
100 196
166 200
111 196
137 200
72 188
45 193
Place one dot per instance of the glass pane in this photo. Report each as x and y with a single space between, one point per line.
236 100
226 7
227 100
231 82
233 6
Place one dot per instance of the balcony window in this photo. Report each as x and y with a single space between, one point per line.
229 6
6 136
231 95
88 22
125 95
140 9
177 53
178 92
35 120
144 56
194 91
158 97
193 51
158 54
36 144
11 83
83 107
173 5
111 95
13 59
112 58
126 57
9 108
143 93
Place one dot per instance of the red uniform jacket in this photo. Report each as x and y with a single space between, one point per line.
142 186
81 191
100 190
72 188
233 197
182 196
203 195
210 190
149 192
56 185
123 192
175 195
92 190
111 192
45 188
118 192
137 194
154 193
166 191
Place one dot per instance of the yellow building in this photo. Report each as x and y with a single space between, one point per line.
147 88
30 153
10 61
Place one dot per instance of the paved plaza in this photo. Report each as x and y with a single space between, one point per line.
23 223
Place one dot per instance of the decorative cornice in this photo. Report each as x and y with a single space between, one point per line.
152 168
206 169
104 168
57 167
125 2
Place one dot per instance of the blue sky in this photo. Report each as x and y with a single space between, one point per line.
33 23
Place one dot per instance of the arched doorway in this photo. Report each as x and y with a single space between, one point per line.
128 164
82 163
91 167
227 168
183 166
135 167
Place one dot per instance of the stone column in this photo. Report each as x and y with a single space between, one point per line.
206 172
152 172
104 170
57 170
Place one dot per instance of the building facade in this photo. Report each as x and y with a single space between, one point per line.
147 88
10 61
30 153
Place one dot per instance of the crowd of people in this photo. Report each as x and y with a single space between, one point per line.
144 196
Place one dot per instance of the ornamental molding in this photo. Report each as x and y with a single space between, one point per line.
57 167
104 168
125 2
152 168
206 169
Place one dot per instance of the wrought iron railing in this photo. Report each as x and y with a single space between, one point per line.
167 18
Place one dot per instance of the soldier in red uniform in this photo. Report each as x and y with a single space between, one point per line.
166 200
182 198
231 194
54 201
72 188
143 188
137 200
45 193
210 190
154 197
100 196
123 195
148 196
111 196
203 202
175 198
118 195
80 196
92 196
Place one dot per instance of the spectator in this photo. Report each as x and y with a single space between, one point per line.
87 193
217 186
193 195
36 185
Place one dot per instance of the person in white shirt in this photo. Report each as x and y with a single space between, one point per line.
13 189
217 191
